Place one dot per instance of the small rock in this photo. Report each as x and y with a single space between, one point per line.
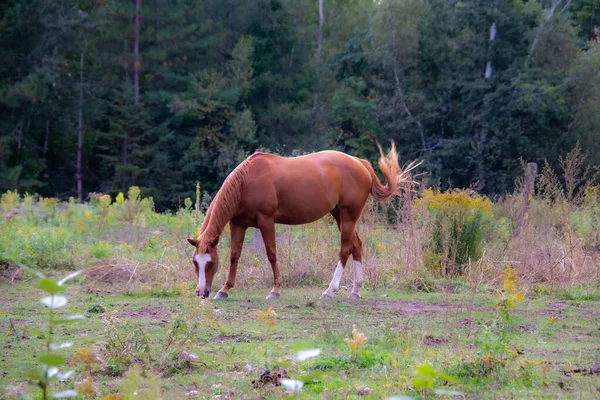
363 391
192 393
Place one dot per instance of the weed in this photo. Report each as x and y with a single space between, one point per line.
268 317
97 308
356 343
461 222
52 360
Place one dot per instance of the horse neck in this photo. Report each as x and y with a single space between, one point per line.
218 215
226 202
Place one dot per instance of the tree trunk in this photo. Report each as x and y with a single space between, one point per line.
78 173
47 137
319 49
136 50
20 137
547 19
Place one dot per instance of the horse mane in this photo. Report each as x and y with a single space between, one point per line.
225 204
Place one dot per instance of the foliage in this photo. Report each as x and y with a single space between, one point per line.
461 221
248 75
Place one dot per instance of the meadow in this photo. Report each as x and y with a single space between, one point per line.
464 297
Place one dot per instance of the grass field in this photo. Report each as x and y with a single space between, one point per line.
551 340
455 304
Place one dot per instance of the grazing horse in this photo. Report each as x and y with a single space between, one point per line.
266 189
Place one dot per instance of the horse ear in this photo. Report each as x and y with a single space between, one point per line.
193 242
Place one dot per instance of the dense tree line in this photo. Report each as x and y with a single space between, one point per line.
98 95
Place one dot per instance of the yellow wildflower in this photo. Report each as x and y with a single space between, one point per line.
357 341
268 316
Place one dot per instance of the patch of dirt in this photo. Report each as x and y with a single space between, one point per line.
97 292
152 312
434 341
267 378
117 273
551 309
237 339
525 328
414 307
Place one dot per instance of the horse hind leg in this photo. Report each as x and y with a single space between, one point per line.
347 235
357 263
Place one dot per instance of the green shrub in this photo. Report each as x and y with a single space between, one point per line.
101 250
460 221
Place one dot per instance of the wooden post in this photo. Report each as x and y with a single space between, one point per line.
528 187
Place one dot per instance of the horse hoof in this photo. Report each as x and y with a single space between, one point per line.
326 297
354 296
273 296
220 295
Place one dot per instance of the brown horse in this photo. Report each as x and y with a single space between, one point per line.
267 189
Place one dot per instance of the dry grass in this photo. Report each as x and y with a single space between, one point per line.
558 246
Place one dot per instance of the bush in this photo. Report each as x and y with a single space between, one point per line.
460 221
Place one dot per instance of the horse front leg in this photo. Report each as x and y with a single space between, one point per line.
237 242
267 230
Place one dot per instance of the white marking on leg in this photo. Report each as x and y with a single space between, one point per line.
358 278
201 260
335 281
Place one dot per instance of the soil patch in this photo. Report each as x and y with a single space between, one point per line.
434 341
119 274
153 312
414 307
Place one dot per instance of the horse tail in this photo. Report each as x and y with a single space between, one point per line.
393 174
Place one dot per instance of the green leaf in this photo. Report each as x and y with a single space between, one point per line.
426 370
33 375
446 377
52 359
423 382
50 286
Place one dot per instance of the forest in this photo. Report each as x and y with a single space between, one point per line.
102 95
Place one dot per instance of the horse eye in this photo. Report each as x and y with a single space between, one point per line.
210 264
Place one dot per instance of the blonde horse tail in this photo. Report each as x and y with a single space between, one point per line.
393 174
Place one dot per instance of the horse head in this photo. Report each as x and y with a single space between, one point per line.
206 264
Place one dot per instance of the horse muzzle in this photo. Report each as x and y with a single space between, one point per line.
205 295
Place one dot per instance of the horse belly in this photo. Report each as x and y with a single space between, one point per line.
304 201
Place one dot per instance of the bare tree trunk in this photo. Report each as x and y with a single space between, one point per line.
47 137
319 49
78 174
321 23
488 68
548 17
136 50
20 137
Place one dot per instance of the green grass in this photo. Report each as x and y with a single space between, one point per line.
404 330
